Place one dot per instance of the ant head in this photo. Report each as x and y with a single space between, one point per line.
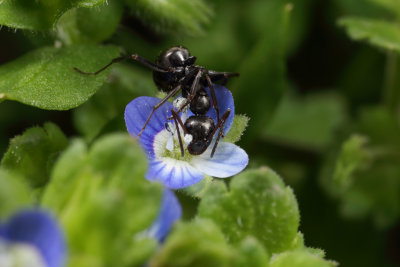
177 56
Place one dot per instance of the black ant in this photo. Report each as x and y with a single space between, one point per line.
174 71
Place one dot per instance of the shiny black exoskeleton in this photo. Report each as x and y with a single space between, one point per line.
174 71
200 127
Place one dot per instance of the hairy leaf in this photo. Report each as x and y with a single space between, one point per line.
365 175
44 78
201 243
377 32
125 83
173 16
391 5
101 194
14 193
89 25
33 153
353 156
37 15
257 204
240 123
300 258
309 121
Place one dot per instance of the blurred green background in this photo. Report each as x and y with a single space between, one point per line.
319 81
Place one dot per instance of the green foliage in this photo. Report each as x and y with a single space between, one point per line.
97 187
173 16
365 174
300 259
44 78
352 155
38 15
201 243
104 202
391 5
310 121
201 237
263 67
33 153
198 190
89 25
14 193
240 123
377 32
125 83
253 206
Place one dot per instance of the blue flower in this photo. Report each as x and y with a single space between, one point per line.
31 238
166 164
169 213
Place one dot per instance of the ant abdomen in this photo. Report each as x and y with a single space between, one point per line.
200 127
197 148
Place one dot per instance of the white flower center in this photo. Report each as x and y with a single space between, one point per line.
19 255
166 143
179 102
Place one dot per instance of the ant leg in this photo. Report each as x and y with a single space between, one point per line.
176 118
171 93
192 92
182 82
214 98
174 113
220 125
150 64
136 57
217 76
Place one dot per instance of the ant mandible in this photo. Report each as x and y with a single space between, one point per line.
174 71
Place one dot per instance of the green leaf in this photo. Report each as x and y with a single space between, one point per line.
125 83
300 258
198 190
33 153
14 193
44 78
37 15
89 25
258 204
101 194
379 33
353 156
391 5
364 176
310 121
173 16
251 253
201 243
240 123
262 73
198 243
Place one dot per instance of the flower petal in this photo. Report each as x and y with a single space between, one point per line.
136 114
225 101
228 160
39 229
2 231
170 212
173 173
